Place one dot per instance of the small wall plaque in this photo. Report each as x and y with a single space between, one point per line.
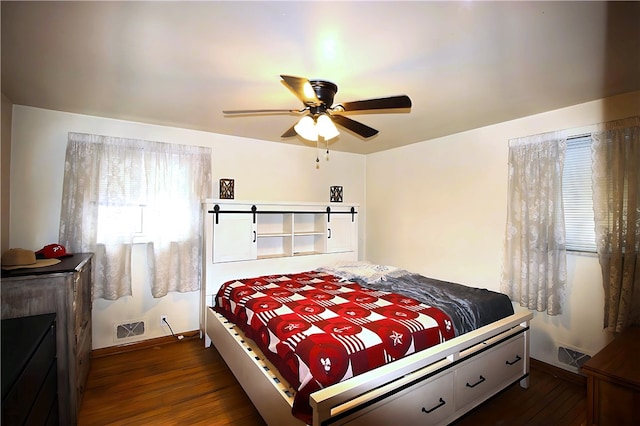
226 189
336 194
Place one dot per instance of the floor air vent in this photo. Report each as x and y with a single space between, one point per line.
129 330
572 357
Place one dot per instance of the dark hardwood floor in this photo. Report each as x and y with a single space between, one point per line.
183 383
554 397
179 383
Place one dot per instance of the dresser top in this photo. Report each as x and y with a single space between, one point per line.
619 359
67 264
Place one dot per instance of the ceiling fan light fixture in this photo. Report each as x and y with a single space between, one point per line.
326 128
317 97
306 128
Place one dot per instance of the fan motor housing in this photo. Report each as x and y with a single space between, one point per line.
325 91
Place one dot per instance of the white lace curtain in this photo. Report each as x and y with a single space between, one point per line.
616 200
118 192
534 270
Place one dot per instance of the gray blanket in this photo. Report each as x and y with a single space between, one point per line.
469 307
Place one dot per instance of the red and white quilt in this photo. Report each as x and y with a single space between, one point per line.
319 331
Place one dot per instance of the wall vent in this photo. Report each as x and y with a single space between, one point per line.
572 357
128 331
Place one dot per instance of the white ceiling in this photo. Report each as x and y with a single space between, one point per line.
464 64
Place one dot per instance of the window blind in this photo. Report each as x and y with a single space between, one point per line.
577 194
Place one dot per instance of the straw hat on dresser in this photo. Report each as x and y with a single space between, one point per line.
18 258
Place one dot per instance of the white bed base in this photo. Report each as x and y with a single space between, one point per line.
434 386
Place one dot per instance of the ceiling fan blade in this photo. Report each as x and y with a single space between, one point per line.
261 111
289 133
356 127
301 87
392 102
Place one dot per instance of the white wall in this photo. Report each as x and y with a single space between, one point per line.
263 171
439 208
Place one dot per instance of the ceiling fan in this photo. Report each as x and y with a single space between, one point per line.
317 97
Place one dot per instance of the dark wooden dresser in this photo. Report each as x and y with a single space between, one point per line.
613 382
29 371
64 290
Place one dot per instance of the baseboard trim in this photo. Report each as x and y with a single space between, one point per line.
144 344
558 372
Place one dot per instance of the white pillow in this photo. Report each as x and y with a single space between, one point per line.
364 271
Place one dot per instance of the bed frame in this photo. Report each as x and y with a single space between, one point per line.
434 386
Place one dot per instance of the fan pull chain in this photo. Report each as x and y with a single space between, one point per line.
327 155
317 156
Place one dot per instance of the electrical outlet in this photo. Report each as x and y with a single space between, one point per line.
163 318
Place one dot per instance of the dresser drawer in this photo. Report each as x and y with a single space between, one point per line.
35 376
82 300
47 397
83 361
429 402
483 375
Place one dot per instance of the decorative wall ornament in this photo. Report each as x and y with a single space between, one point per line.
226 189
336 194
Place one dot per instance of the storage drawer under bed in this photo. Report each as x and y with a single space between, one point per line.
426 403
484 374
445 396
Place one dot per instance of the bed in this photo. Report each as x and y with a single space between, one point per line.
426 357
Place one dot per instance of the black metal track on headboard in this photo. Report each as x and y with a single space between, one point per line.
254 211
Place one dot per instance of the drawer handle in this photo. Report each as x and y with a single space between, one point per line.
482 379
516 360
424 410
254 236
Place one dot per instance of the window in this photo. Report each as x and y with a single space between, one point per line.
118 192
577 195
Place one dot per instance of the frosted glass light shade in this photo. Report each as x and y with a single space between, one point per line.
326 128
306 128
